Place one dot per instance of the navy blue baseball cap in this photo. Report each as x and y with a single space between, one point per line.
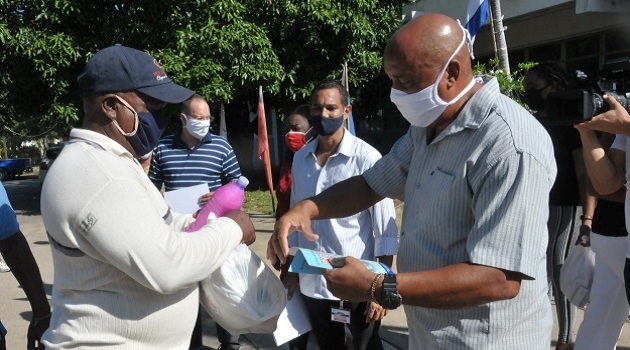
121 68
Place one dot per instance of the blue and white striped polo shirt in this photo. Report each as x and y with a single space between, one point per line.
176 166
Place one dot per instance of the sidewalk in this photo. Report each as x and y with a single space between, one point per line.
15 310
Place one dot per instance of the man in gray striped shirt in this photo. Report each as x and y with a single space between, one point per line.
474 170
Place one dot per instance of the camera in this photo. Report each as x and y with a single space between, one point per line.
575 106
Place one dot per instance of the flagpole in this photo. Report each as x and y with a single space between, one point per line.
222 125
344 78
263 145
494 40
345 81
499 35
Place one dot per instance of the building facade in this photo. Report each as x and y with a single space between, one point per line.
583 34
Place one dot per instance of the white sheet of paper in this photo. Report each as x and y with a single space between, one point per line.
185 200
293 320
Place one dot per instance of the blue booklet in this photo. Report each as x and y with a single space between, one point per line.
312 262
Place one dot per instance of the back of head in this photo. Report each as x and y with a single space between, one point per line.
539 83
119 68
552 72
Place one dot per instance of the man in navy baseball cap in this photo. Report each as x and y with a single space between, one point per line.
130 90
121 68
126 274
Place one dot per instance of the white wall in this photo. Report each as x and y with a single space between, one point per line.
550 25
457 8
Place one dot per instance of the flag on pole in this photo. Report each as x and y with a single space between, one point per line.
344 82
476 15
263 144
222 127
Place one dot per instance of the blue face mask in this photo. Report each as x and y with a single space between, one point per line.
147 130
326 126
150 129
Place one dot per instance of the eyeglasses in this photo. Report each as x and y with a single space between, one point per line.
203 118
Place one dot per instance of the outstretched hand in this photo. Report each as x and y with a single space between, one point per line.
296 219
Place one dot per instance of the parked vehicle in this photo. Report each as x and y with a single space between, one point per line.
10 168
50 154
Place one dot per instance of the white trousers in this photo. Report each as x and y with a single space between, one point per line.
608 310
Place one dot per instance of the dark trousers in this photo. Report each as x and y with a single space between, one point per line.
226 337
626 277
331 335
223 335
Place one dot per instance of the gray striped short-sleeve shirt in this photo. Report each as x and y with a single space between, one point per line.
478 192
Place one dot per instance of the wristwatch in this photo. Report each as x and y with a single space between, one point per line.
389 297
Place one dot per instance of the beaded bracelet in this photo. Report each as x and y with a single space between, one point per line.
373 286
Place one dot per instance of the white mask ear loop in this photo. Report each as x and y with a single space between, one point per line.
472 82
469 39
306 133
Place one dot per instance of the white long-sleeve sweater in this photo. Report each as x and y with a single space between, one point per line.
125 275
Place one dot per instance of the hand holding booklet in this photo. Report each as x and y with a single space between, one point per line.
313 262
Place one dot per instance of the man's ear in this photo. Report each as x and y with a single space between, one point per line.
182 119
346 112
452 73
109 106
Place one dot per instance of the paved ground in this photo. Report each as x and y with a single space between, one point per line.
15 311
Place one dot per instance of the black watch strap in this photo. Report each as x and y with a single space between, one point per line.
389 297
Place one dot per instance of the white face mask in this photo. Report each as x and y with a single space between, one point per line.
423 107
197 128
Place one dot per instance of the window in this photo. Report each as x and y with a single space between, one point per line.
545 53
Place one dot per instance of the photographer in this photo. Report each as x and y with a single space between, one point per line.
567 196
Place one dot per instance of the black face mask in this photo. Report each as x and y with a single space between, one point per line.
533 99
326 126
150 129
147 132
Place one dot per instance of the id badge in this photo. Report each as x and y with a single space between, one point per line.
340 314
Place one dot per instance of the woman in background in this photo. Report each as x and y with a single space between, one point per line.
299 131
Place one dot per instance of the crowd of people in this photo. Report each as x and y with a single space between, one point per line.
494 198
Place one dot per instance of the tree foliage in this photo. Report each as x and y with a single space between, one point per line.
509 84
223 49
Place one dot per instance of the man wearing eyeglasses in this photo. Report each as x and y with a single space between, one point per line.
194 156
